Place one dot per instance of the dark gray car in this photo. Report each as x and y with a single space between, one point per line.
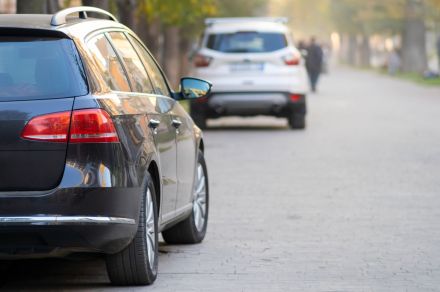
97 155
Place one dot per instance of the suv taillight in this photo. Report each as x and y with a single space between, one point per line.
201 60
86 126
292 59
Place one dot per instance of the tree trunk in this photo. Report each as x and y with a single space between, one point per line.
155 39
52 6
184 48
103 4
414 57
365 51
149 32
351 53
31 7
127 12
171 54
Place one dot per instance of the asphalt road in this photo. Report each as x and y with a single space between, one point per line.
350 204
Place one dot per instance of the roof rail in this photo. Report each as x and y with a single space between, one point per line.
60 17
212 21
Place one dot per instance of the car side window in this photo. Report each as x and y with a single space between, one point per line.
108 63
133 64
159 82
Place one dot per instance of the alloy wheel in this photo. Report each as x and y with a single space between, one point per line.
150 229
199 205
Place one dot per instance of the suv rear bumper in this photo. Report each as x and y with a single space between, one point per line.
276 104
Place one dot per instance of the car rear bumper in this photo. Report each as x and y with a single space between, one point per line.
67 221
249 104
62 220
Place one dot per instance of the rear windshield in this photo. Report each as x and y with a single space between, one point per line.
39 68
246 42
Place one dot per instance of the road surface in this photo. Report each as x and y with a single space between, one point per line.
350 204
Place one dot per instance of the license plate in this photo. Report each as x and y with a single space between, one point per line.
240 67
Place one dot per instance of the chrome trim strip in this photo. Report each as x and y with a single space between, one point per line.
63 220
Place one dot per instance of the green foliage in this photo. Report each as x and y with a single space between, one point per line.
240 8
368 17
307 17
190 14
178 12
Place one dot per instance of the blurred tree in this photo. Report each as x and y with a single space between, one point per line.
234 8
35 6
177 21
414 57
306 17
127 12
103 4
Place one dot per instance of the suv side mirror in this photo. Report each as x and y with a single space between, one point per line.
192 88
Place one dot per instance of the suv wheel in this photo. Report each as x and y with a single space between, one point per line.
193 229
137 263
297 121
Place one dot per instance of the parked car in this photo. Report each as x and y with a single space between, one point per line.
97 155
256 70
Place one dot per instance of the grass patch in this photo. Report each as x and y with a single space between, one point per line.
419 79
413 77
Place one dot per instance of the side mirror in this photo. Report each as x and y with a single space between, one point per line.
192 88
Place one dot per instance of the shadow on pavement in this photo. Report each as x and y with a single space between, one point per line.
54 274
60 274
247 124
246 128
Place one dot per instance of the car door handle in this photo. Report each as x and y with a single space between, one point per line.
177 123
154 123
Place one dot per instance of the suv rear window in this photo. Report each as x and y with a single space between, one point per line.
246 42
39 68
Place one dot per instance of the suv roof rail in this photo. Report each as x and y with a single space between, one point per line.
212 21
60 17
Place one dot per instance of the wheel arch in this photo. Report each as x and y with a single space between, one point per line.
153 170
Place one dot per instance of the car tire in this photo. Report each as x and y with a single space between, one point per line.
137 263
193 229
297 121
200 121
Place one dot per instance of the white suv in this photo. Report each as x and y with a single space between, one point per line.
255 70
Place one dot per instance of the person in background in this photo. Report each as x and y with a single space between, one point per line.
302 45
394 62
314 62
438 53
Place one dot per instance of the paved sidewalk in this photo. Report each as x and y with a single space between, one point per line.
350 204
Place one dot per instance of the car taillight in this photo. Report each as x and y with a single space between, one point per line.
86 126
201 100
92 126
202 61
292 59
295 97
50 128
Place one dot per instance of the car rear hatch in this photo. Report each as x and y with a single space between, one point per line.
246 59
40 76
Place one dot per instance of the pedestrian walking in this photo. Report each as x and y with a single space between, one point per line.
394 62
314 62
438 53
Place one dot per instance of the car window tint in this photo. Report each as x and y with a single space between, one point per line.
108 63
160 84
246 42
39 67
135 69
